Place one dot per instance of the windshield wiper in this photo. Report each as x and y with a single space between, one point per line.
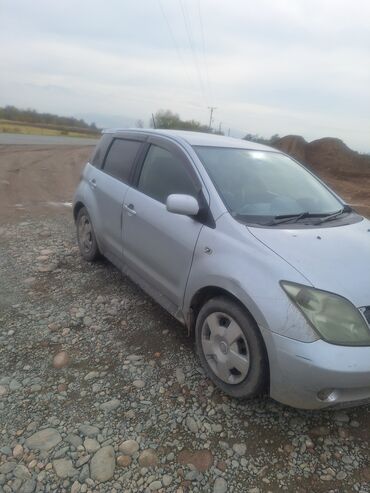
335 215
290 218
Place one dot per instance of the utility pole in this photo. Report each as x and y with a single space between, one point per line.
219 127
211 109
153 119
228 133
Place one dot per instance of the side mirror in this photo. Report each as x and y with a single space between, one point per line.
185 205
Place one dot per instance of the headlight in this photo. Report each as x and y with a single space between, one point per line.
334 318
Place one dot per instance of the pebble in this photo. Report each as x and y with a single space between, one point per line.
61 360
124 460
139 384
103 464
111 405
18 451
44 440
88 430
220 486
129 447
180 376
240 448
191 424
155 485
64 468
91 445
28 486
3 390
148 458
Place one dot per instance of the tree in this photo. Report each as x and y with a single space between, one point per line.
168 120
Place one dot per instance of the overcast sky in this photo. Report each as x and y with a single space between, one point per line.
269 66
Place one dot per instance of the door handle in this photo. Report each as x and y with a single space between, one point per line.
130 208
92 183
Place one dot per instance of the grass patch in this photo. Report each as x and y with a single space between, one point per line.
23 128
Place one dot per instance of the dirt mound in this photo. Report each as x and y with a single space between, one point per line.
327 155
347 171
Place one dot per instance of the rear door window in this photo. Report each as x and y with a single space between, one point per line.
121 157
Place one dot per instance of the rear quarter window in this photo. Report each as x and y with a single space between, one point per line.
100 151
120 158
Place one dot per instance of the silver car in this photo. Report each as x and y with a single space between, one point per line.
246 247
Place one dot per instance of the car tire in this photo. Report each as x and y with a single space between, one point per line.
231 349
86 236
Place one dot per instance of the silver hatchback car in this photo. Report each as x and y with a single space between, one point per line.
248 249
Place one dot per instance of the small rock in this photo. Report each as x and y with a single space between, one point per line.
341 417
91 445
64 468
139 384
18 451
3 390
61 360
191 424
76 487
148 458
7 467
103 464
341 475
155 485
124 460
91 375
180 375
82 460
220 486
110 405
240 448
88 430
21 472
44 440
166 480
129 447
28 486
74 440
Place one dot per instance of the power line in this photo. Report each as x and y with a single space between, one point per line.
179 55
204 51
194 55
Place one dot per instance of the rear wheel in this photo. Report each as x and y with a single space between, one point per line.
231 348
86 236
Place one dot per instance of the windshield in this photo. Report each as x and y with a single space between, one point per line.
259 186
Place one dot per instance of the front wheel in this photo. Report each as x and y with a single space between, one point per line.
231 348
86 237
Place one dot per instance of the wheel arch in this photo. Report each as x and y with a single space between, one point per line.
205 294
76 209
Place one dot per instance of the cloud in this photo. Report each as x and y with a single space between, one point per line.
274 67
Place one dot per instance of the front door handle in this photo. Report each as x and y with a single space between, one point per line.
130 208
92 183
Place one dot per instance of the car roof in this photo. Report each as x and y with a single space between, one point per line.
194 138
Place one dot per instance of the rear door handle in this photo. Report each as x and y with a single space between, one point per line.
92 183
130 208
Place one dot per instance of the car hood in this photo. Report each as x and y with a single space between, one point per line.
335 259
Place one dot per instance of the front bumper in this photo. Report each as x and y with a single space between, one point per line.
317 375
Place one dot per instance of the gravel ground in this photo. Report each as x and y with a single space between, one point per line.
100 390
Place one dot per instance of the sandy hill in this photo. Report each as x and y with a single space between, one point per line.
327 156
346 171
